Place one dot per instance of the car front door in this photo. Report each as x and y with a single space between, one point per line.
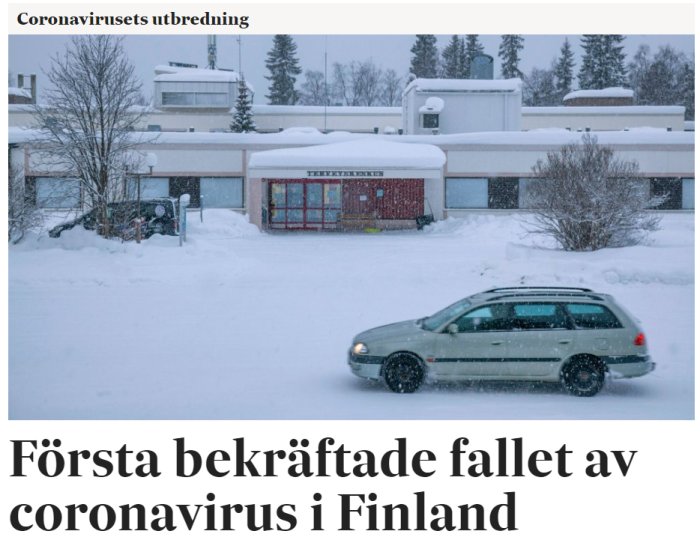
478 347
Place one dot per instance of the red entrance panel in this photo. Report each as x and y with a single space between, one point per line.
387 198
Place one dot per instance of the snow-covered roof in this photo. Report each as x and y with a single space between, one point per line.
615 92
183 74
432 105
22 92
290 110
464 85
365 152
614 110
545 137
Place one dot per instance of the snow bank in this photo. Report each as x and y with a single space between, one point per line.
237 324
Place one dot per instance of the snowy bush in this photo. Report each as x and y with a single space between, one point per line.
587 199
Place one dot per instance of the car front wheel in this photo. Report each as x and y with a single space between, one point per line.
403 373
583 376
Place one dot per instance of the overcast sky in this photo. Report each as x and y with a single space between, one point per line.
32 54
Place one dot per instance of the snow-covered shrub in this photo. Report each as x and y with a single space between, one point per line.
587 199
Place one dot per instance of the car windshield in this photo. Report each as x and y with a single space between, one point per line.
435 321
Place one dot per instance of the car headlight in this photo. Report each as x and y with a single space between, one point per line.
360 348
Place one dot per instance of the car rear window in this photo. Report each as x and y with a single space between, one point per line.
592 316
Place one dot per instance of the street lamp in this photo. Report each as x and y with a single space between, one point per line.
150 160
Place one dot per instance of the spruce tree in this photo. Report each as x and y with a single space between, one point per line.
564 70
425 60
508 52
615 73
283 66
603 64
451 59
242 121
472 48
688 87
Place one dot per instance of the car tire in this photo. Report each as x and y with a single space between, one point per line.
403 373
583 376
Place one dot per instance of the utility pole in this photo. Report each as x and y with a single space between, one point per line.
211 51
240 45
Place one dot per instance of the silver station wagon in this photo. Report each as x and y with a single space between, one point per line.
572 335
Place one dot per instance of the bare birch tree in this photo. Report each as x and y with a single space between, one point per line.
88 119
587 199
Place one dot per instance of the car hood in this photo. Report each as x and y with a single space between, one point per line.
390 331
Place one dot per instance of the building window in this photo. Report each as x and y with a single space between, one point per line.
57 192
671 189
430 121
178 98
192 99
524 197
503 193
688 193
466 193
217 192
211 100
151 187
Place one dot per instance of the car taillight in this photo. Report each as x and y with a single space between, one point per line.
640 340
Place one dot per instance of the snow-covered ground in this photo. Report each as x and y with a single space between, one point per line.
244 325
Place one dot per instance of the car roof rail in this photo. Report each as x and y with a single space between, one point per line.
538 288
560 294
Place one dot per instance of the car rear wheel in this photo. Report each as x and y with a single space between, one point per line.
403 373
583 376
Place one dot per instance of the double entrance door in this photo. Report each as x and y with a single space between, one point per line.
304 204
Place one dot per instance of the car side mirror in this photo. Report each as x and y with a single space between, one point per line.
452 328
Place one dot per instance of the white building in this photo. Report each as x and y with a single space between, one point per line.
461 106
356 166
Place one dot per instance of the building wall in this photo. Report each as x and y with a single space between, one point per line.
603 118
506 160
464 113
364 119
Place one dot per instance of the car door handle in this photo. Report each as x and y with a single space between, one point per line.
497 342
564 341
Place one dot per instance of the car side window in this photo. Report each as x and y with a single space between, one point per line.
539 316
495 317
592 316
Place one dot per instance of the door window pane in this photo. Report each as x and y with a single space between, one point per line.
295 216
331 195
279 194
313 195
486 318
314 216
295 195
538 317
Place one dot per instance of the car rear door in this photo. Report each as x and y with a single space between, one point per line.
542 336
